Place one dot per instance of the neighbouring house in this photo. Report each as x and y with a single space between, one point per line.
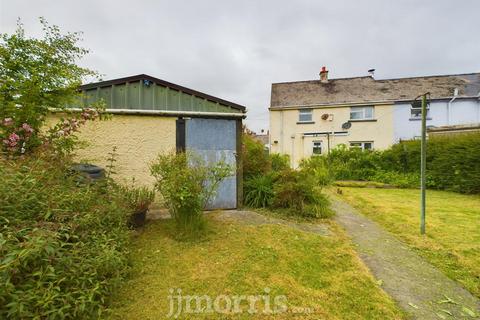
263 138
312 117
151 116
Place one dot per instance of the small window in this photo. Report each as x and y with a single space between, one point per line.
416 112
367 145
361 113
317 148
305 115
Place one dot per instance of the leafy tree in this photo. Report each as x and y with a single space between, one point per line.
36 75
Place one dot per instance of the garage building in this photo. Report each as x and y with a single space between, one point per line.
151 116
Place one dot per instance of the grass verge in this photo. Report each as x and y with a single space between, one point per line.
452 241
316 272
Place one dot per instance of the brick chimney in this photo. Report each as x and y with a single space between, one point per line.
324 75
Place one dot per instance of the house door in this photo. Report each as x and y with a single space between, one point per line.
214 140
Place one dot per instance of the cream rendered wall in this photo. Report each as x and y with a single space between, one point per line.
291 139
139 139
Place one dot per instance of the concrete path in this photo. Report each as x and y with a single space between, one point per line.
418 287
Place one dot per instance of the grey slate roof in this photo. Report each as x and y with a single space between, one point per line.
366 89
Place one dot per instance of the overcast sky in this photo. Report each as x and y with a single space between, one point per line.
236 49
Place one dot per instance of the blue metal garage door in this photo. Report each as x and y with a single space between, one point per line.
214 140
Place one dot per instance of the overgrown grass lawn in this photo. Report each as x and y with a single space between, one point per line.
452 241
316 272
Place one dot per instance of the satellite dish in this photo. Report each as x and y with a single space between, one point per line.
346 125
325 116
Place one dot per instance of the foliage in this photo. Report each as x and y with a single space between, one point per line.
397 179
452 164
187 184
62 247
318 167
138 199
259 191
254 157
270 182
37 75
279 162
298 192
351 164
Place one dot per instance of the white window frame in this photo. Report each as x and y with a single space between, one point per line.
360 145
419 115
313 147
305 112
362 111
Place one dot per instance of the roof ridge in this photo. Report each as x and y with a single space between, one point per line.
386 79
318 80
433 76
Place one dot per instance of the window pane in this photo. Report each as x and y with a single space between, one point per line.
367 146
416 113
368 112
355 145
317 147
305 115
356 114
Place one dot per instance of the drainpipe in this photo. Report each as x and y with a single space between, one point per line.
455 94
328 142
293 150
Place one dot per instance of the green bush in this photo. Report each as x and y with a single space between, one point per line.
62 247
318 166
270 182
254 157
397 179
259 191
299 194
452 164
279 162
187 184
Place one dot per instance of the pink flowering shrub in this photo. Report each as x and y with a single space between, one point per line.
21 139
17 138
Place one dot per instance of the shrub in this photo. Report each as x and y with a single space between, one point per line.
397 179
454 164
279 162
255 158
259 191
186 184
37 74
297 191
62 247
138 198
318 166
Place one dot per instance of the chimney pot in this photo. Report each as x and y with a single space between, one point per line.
324 75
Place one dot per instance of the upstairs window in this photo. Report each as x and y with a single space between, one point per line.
416 110
317 148
361 113
305 115
362 145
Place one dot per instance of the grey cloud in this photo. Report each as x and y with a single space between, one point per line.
236 49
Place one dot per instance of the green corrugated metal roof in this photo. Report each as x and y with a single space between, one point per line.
144 92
